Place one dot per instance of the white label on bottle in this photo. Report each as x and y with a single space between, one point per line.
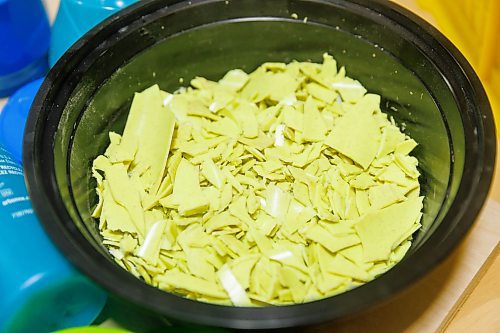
13 196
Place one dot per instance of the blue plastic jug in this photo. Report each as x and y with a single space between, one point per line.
13 119
24 43
40 291
75 18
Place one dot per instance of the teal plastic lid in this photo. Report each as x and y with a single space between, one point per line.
75 18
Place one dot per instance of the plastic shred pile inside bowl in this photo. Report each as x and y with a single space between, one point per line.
282 186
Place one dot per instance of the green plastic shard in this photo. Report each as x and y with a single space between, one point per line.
276 202
197 263
149 127
350 90
187 282
213 174
278 187
124 194
117 152
234 79
329 68
406 147
313 125
283 85
393 174
221 99
357 136
225 126
380 231
290 279
341 266
150 249
247 120
116 216
391 138
187 193
321 93
258 86
331 243
233 288
385 195
292 118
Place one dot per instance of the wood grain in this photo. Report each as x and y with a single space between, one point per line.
478 309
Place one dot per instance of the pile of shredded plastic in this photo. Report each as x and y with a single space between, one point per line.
282 186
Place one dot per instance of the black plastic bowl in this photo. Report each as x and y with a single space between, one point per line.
427 85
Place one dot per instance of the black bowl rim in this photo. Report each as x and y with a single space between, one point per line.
466 206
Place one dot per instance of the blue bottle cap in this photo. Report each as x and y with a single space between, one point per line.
13 118
24 43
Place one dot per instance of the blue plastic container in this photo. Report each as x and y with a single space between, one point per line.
24 43
13 118
40 291
75 18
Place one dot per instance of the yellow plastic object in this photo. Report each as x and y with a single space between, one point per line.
92 329
473 26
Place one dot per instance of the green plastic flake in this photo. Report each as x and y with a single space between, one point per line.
234 80
290 280
124 194
313 123
150 129
393 174
321 93
381 230
277 187
257 87
197 263
225 126
361 126
292 118
341 266
221 99
276 202
391 138
406 147
233 288
283 86
385 195
187 192
408 164
245 115
150 249
118 153
178 280
350 90
331 243
288 257
213 174
330 282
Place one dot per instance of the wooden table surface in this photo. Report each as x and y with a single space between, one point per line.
423 307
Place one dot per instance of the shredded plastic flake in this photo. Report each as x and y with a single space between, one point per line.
282 186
